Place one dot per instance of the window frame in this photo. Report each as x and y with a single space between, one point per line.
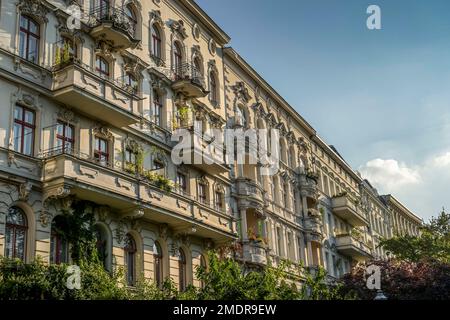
28 35
99 61
15 228
158 256
63 137
98 153
24 124
130 255
156 106
182 270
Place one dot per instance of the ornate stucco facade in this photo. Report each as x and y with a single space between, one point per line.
88 114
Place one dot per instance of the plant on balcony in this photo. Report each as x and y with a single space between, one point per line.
63 55
130 167
159 181
183 113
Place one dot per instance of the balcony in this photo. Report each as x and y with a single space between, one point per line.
189 81
347 209
254 252
79 87
82 176
205 153
114 25
308 184
351 247
313 225
250 192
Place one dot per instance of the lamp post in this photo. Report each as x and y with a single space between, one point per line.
380 295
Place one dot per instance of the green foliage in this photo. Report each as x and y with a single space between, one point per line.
433 243
37 281
159 181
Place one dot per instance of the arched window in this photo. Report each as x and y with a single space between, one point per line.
102 67
59 247
101 245
177 60
156 42
29 39
182 270
158 259
130 259
283 150
156 111
16 234
129 11
213 87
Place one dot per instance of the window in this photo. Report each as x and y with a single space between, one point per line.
102 67
104 9
132 18
197 73
156 109
177 60
131 83
181 182
130 156
158 259
59 248
130 259
202 193
24 128
286 196
64 137
29 39
182 270
101 245
213 87
156 42
218 201
279 242
101 153
16 234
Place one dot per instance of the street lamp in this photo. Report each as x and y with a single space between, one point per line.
380 295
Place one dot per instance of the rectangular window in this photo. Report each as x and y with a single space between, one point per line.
156 109
181 182
279 242
202 193
64 137
24 128
218 201
101 153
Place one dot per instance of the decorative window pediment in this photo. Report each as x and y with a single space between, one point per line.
35 9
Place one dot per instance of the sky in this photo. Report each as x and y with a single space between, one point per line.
381 97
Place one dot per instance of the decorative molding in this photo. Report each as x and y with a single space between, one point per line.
24 190
34 8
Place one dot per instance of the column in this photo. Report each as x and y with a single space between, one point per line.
309 251
244 224
295 240
304 206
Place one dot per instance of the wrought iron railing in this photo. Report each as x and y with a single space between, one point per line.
117 16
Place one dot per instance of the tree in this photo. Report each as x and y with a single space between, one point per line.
401 280
433 243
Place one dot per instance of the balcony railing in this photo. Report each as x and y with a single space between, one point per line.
350 246
116 16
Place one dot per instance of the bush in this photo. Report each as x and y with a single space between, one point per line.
402 280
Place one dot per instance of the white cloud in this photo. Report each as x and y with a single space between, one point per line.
422 187
389 174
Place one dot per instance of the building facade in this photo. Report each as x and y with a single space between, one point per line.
94 94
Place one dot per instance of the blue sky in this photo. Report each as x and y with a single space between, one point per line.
381 97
